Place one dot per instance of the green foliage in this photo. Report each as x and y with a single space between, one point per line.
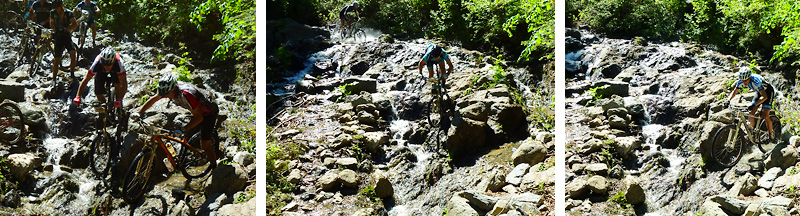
539 18
789 113
345 89
792 171
183 72
237 36
369 192
786 16
5 184
243 197
596 93
278 188
648 18
620 199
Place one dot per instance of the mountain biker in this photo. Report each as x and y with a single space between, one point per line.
93 9
198 101
108 67
764 96
39 13
434 54
63 22
345 18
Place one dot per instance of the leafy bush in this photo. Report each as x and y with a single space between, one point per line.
649 18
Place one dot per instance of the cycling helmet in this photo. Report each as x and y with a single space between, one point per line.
107 56
355 3
436 51
744 73
166 84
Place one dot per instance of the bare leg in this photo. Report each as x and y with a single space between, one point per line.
73 61
56 64
211 155
765 115
751 119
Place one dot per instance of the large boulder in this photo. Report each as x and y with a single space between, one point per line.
632 188
508 122
329 181
239 209
349 178
22 166
626 145
515 176
530 152
607 88
460 206
465 137
708 131
711 208
598 184
730 204
577 189
375 141
226 179
359 68
356 84
746 185
12 90
782 156
478 200
769 177
383 187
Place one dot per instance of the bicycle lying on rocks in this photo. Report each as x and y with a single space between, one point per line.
728 144
191 161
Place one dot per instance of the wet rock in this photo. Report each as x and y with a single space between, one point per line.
359 84
530 152
626 145
634 194
12 199
478 200
305 85
367 118
711 208
477 111
769 177
745 186
693 106
634 107
213 204
724 116
611 103
709 129
460 206
329 181
383 187
365 212
730 204
617 122
34 116
782 156
465 137
348 178
226 179
597 168
295 176
515 176
181 209
593 145
358 100
359 68
343 140
10 90
22 166
611 87
350 163
598 184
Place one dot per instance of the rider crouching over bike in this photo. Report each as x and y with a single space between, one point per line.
39 13
104 66
345 18
764 96
63 22
199 102
434 54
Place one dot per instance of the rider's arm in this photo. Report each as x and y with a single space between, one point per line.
197 117
73 26
52 23
84 82
149 103
733 93
449 66
31 14
763 97
359 17
421 64
123 84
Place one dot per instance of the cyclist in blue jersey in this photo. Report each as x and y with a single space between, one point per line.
93 9
764 96
434 54
63 23
345 18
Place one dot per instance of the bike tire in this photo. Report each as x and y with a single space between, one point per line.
12 123
82 37
724 156
21 50
100 153
776 127
36 60
192 163
137 177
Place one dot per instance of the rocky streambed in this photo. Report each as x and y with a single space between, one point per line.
48 174
640 119
357 111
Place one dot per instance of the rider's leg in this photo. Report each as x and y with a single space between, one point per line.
56 64
94 33
765 115
751 119
100 87
207 129
73 61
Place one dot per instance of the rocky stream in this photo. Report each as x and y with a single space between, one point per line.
48 174
357 108
640 120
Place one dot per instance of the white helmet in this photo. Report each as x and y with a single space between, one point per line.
744 73
166 84
107 56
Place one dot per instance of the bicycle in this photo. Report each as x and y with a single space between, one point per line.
436 111
43 46
14 22
24 47
728 143
100 152
82 27
12 123
354 31
191 161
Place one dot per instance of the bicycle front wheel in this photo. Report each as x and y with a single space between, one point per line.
12 123
727 145
100 153
767 146
137 177
193 162
82 36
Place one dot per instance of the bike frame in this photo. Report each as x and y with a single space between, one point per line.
744 121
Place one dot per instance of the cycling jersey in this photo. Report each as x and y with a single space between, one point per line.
91 7
42 11
191 97
343 12
757 83
97 67
61 23
429 59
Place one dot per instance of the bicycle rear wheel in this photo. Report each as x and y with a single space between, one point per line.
100 153
36 60
193 163
82 35
12 123
137 177
727 145
767 146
